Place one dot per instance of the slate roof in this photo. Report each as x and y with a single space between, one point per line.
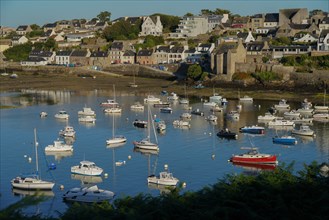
50 25
192 50
324 33
79 53
299 26
129 53
14 38
289 13
177 49
225 47
272 17
47 33
165 49
144 53
64 53
325 20
242 35
254 46
99 54
22 28
40 53
257 16
117 46
35 59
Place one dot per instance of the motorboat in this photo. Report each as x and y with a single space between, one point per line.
233 115
161 126
185 115
113 110
246 99
62 115
321 117
164 178
211 118
282 105
254 157
227 134
87 168
304 130
91 194
173 97
210 104
184 101
285 140
306 104
111 103
87 119
32 182
291 114
254 129
68 131
216 98
87 112
152 99
267 117
197 112
140 123
305 110
281 122
181 123
166 110
137 107
58 146
216 108
302 120
43 114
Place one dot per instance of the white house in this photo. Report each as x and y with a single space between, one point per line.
271 20
305 38
151 26
246 37
63 57
323 41
191 26
16 40
78 37
34 61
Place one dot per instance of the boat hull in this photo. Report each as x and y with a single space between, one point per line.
31 184
284 141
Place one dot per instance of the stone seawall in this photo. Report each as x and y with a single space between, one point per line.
317 78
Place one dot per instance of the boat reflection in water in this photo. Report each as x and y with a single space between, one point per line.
22 192
255 167
85 180
59 155
162 188
145 151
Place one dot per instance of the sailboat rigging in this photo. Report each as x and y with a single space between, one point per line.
116 139
32 182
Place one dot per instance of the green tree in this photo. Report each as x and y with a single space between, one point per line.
169 22
188 14
219 11
50 44
19 52
35 27
122 30
194 71
104 16
206 12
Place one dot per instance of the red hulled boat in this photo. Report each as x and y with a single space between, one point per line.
254 157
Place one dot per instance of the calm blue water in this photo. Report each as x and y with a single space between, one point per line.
196 156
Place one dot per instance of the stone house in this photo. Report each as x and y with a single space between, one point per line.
240 22
63 24
129 57
291 50
116 51
246 37
256 21
151 26
99 58
34 61
50 27
191 26
80 57
324 24
271 20
63 57
176 54
23 29
161 54
293 16
290 30
16 40
256 51
225 57
4 31
323 41
145 57
214 21
100 26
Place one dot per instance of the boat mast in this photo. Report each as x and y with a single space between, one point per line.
36 152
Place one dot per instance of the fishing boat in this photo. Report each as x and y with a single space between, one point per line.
166 110
304 130
282 105
140 123
58 146
254 129
32 182
87 119
254 157
62 115
164 178
87 168
227 134
116 139
90 194
146 142
285 140
86 111
137 106
291 114
68 131
197 112
161 126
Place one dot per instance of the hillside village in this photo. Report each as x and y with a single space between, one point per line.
222 44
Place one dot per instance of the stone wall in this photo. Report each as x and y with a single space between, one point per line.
317 78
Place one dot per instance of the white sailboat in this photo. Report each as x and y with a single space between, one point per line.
322 107
133 85
113 109
146 142
116 139
32 182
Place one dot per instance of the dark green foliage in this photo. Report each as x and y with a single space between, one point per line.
281 41
319 62
35 27
19 52
188 14
278 194
194 71
266 77
213 38
122 30
104 16
169 22
35 33
149 42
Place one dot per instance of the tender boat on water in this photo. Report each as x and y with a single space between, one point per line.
87 168
227 134
58 146
164 178
62 115
254 129
137 106
113 110
285 140
186 115
197 112
166 110
233 115
90 194
140 123
254 157
211 118
267 117
161 126
303 130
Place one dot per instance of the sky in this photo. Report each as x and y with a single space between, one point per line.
22 12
